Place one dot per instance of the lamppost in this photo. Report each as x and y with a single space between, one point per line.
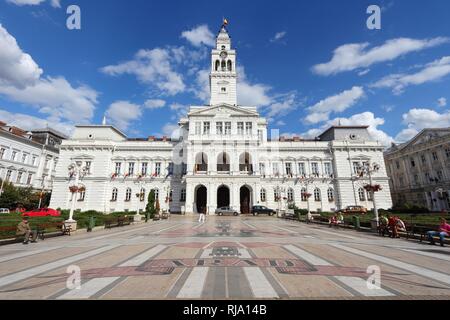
77 172
139 195
281 191
367 169
307 181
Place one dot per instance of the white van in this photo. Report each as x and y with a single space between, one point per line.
4 211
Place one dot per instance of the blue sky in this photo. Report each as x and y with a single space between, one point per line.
306 64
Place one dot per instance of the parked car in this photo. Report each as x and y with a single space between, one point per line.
226 211
45 212
4 211
354 210
257 210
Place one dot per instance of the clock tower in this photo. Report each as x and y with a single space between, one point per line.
223 77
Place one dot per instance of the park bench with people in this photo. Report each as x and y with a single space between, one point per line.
8 233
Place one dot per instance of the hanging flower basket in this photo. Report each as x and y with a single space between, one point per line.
73 189
373 188
307 195
81 189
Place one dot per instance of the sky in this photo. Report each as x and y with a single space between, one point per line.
306 65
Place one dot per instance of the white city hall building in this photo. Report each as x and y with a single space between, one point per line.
223 157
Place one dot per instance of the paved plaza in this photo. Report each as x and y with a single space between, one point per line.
224 258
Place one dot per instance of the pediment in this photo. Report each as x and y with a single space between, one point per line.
425 136
223 109
83 157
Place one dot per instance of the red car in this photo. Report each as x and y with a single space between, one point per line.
45 212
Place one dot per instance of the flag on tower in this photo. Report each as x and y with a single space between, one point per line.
225 22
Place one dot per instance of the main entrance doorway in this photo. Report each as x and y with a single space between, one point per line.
223 197
245 197
201 199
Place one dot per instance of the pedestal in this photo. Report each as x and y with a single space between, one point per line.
137 218
72 224
374 225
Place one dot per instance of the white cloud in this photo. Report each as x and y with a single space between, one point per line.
281 106
442 102
252 94
361 119
198 36
154 104
17 68
433 71
53 3
278 36
122 113
171 130
56 97
28 122
417 119
354 56
151 67
338 103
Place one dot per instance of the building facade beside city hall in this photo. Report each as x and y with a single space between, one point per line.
224 156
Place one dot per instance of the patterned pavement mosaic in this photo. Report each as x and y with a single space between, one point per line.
224 258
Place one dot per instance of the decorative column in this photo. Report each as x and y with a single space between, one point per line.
77 172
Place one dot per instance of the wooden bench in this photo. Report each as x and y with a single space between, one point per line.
58 228
118 222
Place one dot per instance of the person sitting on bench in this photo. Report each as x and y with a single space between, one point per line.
24 230
336 220
444 230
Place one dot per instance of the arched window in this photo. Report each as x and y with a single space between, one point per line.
276 195
230 65
362 194
224 66
128 195
223 162
317 195
304 197
331 195
114 194
217 65
263 195
245 163
142 195
290 195
201 162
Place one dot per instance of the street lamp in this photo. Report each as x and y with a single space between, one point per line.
281 191
77 172
367 169
139 195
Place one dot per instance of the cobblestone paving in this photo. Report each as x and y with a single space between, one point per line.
224 258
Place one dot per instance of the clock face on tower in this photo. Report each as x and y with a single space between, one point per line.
223 54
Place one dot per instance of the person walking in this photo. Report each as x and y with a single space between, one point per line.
24 230
444 230
202 217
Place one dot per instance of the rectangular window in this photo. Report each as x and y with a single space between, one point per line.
315 168
30 178
19 177
158 168
118 169
276 169
262 169
288 169
184 165
228 128
198 128
144 169
34 161
424 160
416 179
13 156
413 163
301 169
240 128
183 195
248 128
356 167
131 168
206 128
260 136
8 176
219 128
2 153
88 167
24 158
440 175
435 156
170 169
328 169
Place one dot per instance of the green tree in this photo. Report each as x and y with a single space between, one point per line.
13 197
150 209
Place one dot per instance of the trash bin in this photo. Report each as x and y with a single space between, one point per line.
356 222
91 225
